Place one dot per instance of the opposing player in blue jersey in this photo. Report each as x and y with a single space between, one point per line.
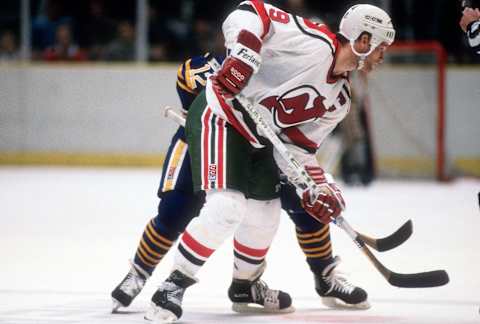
179 204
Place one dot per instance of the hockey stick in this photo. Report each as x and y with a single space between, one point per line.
304 181
379 244
174 115
413 280
386 243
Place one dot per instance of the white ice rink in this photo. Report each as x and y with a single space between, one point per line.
66 236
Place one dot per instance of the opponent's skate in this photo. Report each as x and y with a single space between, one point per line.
166 306
336 291
244 293
129 287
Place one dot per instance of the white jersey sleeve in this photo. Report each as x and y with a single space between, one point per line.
249 15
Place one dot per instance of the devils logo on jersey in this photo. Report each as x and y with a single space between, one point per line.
296 106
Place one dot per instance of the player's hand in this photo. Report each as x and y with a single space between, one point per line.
469 15
239 67
329 203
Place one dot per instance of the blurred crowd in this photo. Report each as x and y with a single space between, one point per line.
105 30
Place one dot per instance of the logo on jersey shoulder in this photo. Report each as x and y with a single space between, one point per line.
296 106
212 172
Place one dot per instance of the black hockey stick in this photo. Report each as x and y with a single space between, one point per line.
389 242
379 244
404 280
303 181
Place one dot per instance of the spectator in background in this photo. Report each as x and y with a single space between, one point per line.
159 37
64 48
470 24
8 47
51 14
122 48
207 25
170 29
98 30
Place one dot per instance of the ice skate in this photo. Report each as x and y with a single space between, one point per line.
255 297
129 287
166 305
336 291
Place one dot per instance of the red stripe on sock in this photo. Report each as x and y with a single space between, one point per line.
196 246
258 253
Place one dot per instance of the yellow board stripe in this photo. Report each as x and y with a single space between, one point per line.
81 159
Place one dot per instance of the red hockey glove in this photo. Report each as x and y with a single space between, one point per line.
329 203
244 60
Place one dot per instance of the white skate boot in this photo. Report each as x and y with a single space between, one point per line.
129 287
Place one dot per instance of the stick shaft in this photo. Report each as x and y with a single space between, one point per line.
175 115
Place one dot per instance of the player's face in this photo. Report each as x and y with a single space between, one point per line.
375 58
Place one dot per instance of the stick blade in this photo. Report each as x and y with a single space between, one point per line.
397 238
419 280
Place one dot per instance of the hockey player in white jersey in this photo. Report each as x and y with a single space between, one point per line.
296 72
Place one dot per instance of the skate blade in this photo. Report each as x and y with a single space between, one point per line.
337 303
116 305
159 315
257 309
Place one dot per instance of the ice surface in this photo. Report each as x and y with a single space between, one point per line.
66 236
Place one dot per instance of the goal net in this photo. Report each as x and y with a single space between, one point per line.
406 102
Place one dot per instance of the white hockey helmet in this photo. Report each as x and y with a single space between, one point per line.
367 18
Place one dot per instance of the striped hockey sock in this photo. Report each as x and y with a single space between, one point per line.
152 247
317 247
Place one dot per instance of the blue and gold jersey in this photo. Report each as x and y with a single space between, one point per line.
191 80
192 76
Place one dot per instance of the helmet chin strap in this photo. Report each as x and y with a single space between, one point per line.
362 56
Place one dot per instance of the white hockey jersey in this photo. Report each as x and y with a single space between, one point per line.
294 89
